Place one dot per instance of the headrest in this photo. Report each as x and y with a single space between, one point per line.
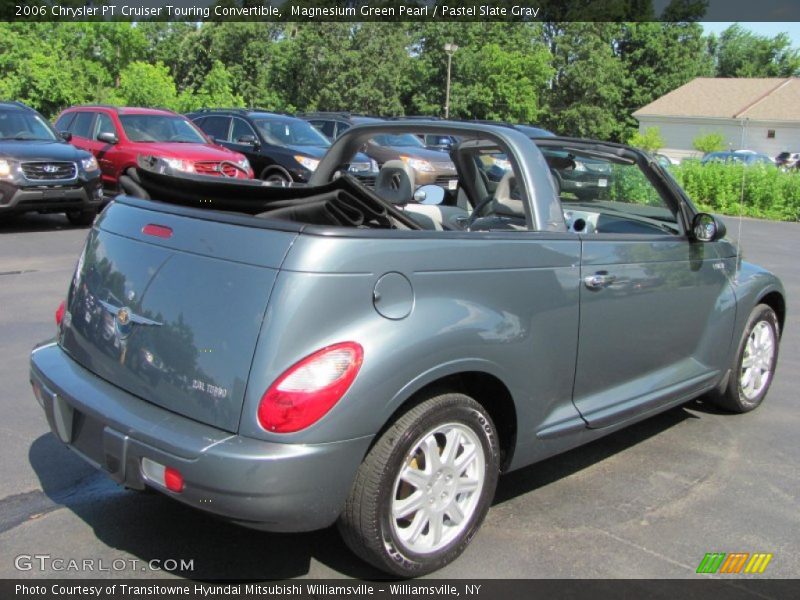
395 182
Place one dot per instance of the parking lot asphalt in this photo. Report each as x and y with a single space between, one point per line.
646 502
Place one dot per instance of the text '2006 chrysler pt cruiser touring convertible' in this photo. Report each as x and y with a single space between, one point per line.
376 355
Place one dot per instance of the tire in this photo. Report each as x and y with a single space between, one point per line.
406 546
277 178
748 385
81 218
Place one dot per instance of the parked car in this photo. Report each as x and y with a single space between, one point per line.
41 172
281 149
117 136
430 166
743 157
787 160
665 161
380 362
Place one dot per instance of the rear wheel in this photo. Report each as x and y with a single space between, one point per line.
754 364
424 488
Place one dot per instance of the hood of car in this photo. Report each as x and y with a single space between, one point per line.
40 150
434 156
195 152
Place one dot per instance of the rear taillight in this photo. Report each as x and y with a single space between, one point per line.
60 312
309 389
160 231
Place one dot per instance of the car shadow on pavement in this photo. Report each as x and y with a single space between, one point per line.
542 473
34 222
151 526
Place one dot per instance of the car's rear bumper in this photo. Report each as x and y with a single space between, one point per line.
272 486
81 195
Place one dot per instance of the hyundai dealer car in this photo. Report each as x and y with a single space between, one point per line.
41 172
118 136
281 149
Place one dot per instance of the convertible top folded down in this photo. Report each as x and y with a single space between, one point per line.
343 202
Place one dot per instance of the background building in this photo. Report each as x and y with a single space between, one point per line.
754 114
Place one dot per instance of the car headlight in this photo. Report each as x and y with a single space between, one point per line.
309 163
579 166
89 164
418 164
244 163
180 165
5 169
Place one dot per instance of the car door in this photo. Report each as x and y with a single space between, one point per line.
656 308
107 154
81 129
241 129
216 127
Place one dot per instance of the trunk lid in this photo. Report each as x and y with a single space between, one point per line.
173 315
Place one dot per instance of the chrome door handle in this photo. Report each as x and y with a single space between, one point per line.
599 280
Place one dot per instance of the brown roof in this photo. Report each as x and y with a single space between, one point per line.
730 98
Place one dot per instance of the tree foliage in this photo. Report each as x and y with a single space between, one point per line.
742 53
576 78
650 140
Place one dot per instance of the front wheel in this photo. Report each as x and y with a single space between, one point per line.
424 488
754 364
276 178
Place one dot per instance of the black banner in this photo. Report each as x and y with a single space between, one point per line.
732 588
441 11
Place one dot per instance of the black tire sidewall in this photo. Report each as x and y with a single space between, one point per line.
739 401
454 408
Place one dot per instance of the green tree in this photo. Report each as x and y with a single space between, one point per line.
587 93
216 90
709 142
742 53
658 58
500 70
650 140
143 84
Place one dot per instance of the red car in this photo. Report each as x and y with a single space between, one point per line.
117 136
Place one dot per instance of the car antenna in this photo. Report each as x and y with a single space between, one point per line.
741 208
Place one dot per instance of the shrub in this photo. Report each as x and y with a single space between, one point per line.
650 140
710 142
757 191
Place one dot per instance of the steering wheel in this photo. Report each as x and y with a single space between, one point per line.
476 213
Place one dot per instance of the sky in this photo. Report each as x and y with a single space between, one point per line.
768 28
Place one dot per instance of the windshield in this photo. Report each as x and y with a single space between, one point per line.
160 128
291 132
404 140
19 125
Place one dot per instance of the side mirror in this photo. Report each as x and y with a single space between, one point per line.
65 135
107 137
429 194
707 228
249 140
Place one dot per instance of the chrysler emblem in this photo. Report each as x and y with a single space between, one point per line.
125 318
